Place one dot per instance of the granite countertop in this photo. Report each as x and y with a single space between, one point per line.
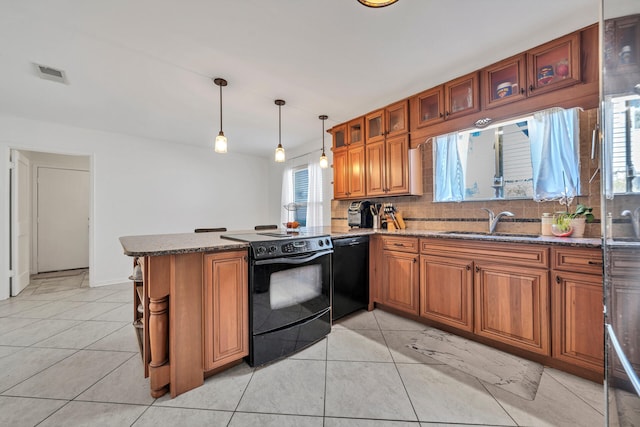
165 244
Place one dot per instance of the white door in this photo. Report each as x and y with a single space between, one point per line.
63 219
21 223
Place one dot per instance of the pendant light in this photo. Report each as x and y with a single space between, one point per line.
220 145
279 149
324 162
377 3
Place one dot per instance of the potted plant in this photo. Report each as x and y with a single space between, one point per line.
572 223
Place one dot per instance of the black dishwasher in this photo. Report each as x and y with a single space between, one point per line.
350 275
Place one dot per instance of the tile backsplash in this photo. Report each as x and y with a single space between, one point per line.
421 213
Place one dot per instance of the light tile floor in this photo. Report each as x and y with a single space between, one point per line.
69 357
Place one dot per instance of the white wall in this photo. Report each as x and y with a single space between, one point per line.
142 186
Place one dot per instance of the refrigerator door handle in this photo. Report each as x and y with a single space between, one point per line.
623 359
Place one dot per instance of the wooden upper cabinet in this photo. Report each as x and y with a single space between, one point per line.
397 167
428 107
461 96
504 82
387 122
554 65
355 131
374 126
339 134
356 165
388 167
397 119
349 172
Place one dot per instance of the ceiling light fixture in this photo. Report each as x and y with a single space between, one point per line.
220 145
324 162
377 3
279 149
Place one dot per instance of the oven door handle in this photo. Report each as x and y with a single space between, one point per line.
293 260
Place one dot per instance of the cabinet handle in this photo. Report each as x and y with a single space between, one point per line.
595 262
446 113
477 269
415 260
468 267
531 88
441 115
399 244
558 279
522 91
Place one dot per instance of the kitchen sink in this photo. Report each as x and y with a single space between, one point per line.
498 234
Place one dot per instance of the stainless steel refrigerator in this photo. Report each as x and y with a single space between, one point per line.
620 181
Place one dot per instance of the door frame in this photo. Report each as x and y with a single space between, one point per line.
5 212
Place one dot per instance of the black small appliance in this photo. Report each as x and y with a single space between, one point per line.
359 215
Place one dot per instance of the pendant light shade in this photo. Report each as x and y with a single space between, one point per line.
220 145
280 157
377 3
324 162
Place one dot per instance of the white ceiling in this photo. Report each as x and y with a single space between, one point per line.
144 67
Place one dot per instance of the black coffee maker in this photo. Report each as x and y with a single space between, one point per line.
359 215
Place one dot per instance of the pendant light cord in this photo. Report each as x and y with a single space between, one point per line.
279 124
220 108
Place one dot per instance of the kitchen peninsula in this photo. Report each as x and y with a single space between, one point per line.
194 296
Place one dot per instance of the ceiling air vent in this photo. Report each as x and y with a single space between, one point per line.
50 73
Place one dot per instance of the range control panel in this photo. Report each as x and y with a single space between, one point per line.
289 247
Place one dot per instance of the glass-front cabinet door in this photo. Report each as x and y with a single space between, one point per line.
504 82
339 136
428 107
397 119
374 123
553 65
355 131
461 96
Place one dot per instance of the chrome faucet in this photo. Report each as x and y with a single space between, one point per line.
493 219
635 220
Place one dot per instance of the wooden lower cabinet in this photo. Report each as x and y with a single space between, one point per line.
446 291
512 306
399 282
623 302
226 308
578 323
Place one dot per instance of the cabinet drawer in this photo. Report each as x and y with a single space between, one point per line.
402 244
505 253
583 260
624 263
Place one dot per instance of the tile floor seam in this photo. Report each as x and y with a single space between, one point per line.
102 377
2 392
54 412
575 394
506 411
395 365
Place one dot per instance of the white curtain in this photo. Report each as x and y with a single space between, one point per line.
451 158
314 201
287 195
554 136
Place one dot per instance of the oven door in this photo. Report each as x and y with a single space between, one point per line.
289 289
